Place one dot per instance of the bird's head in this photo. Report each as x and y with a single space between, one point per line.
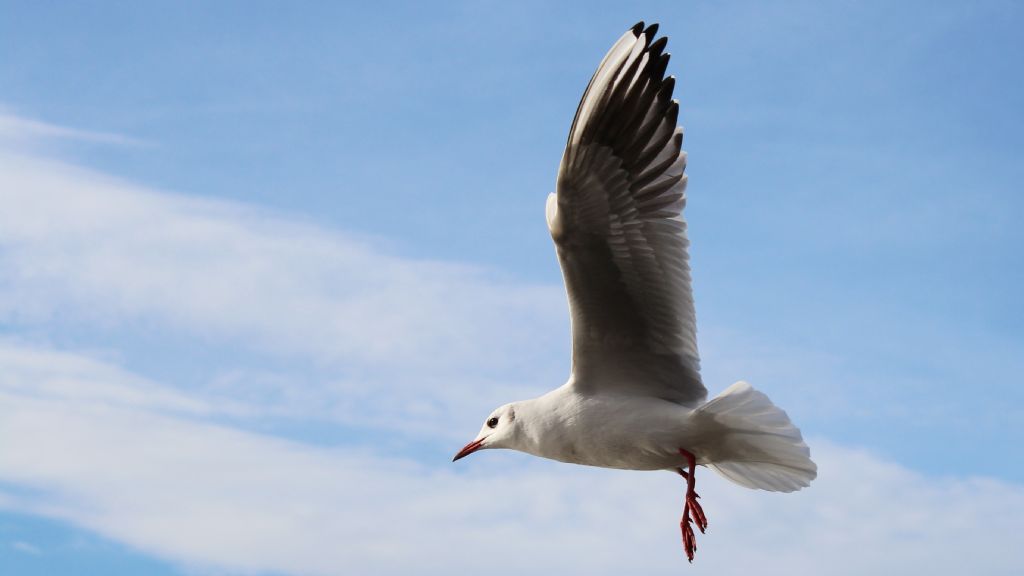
498 431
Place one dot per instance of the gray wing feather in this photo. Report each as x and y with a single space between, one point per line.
617 223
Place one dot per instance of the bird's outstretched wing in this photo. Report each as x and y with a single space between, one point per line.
617 223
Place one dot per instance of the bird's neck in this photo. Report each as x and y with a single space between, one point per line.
541 419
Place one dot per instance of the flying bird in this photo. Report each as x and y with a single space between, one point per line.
634 399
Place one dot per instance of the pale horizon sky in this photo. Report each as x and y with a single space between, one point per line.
264 269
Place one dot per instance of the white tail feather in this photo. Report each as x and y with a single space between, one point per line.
761 448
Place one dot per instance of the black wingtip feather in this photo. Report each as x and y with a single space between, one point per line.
672 114
651 31
658 46
658 67
638 28
665 93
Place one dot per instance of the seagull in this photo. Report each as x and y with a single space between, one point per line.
634 399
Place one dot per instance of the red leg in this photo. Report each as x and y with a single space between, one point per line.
692 511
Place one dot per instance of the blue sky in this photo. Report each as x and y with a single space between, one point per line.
263 269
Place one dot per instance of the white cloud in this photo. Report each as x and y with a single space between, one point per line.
82 250
26 548
76 378
85 244
21 131
214 498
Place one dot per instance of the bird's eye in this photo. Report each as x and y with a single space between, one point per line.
492 422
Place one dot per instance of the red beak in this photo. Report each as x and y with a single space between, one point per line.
469 449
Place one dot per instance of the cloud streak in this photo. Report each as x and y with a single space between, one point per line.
80 249
205 495
98 247
20 131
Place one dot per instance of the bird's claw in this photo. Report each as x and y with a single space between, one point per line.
694 508
692 511
689 539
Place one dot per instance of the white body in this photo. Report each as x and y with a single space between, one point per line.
606 430
739 434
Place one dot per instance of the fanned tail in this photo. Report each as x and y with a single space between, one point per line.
762 448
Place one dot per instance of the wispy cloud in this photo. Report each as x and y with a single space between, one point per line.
26 548
93 246
86 381
17 130
79 248
210 496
